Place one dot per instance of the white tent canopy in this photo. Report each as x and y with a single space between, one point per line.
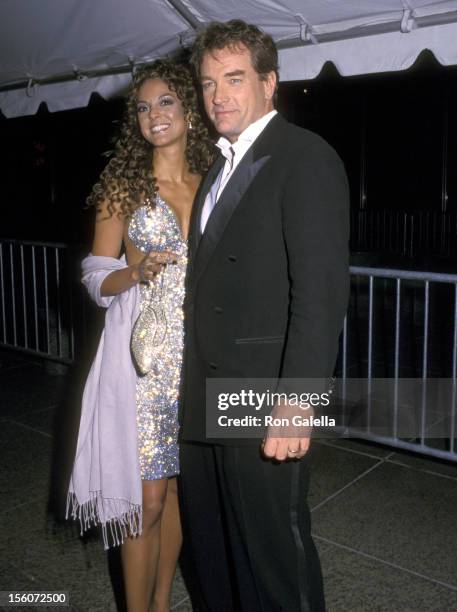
61 51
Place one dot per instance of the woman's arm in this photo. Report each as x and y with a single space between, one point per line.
109 233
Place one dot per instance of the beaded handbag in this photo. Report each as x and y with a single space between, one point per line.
150 329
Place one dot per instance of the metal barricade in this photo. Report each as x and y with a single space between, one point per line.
41 303
399 324
402 233
402 327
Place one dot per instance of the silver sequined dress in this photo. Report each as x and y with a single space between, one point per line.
157 393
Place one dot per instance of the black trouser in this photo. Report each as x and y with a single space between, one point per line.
247 531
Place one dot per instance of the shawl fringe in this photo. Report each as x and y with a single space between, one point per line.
127 521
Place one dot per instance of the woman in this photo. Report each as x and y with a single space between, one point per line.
124 476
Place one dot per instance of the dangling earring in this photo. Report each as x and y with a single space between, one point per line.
190 125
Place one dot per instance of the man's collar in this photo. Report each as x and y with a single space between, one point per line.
247 136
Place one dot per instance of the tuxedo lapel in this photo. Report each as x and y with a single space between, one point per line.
225 207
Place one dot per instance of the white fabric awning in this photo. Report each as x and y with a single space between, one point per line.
376 53
61 51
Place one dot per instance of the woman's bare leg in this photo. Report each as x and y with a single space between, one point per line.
140 555
170 546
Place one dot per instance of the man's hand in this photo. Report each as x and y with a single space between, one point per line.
285 448
289 439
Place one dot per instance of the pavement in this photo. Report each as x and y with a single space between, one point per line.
384 521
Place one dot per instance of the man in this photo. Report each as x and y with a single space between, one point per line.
266 297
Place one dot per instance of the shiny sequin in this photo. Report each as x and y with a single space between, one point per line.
157 393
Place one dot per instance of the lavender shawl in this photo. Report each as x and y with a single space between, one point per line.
105 485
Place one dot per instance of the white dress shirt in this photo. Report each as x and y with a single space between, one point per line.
233 154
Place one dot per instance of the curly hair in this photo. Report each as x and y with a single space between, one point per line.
218 35
128 179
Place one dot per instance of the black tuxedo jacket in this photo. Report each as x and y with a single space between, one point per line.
267 283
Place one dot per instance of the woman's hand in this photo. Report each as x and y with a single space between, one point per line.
152 264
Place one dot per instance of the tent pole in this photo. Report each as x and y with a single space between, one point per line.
359 32
186 14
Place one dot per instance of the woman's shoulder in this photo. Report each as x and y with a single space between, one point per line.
110 209
119 202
